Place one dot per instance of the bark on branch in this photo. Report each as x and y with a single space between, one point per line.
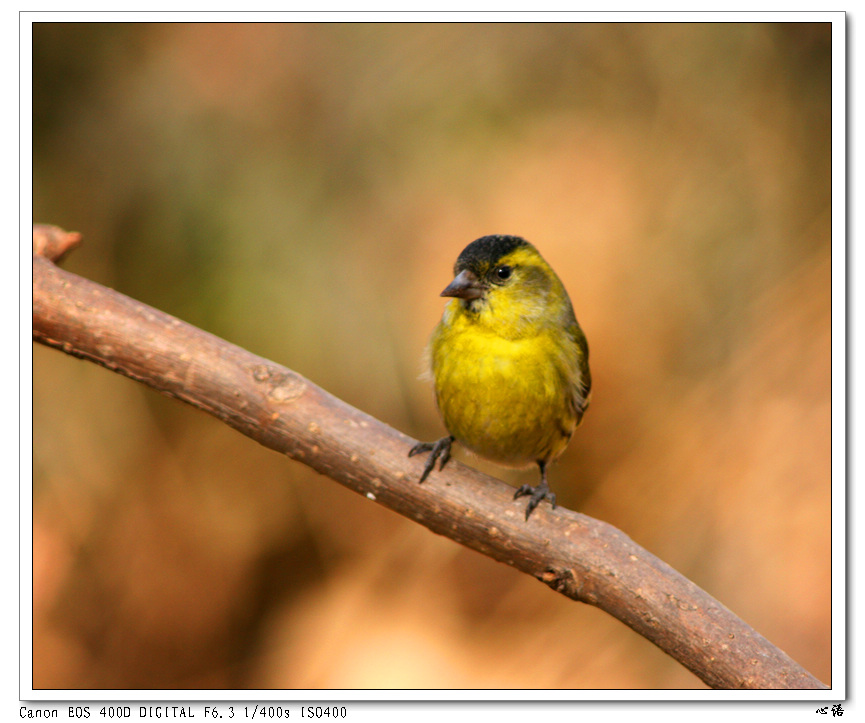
578 556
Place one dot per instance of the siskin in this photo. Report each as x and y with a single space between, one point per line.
509 361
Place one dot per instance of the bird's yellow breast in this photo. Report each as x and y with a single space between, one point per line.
507 399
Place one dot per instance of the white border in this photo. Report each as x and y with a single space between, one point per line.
839 212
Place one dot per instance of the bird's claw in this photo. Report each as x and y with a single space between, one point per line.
438 450
538 493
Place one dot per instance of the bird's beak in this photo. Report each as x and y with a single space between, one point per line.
465 286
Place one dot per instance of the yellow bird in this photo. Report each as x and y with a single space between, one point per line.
509 361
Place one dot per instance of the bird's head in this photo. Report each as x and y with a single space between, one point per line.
504 283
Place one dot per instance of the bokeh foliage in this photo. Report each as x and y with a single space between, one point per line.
303 190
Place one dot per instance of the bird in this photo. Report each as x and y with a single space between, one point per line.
509 362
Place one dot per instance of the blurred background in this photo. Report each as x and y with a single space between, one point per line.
302 190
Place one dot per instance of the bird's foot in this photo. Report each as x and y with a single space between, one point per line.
438 450
538 493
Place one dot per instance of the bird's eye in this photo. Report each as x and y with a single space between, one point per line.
503 272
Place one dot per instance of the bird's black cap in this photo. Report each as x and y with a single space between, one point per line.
480 254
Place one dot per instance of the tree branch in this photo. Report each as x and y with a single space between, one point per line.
583 558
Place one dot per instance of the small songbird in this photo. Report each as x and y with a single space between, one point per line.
509 361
